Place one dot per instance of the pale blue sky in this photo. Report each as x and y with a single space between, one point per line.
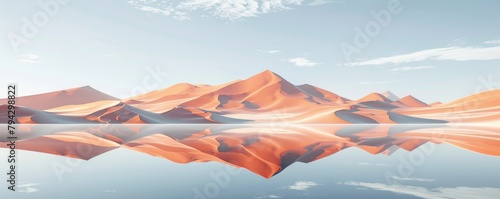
434 50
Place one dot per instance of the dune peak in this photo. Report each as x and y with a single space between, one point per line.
375 97
390 95
268 73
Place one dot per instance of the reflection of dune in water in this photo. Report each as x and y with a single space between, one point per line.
262 149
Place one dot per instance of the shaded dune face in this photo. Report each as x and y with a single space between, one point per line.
411 101
321 95
262 149
263 98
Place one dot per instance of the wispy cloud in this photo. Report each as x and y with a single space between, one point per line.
322 2
302 185
27 188
268 196
224 9
159 7
28 59
302 62
438 193
453 53
492 42
413 179
458 42
228 9
268 51
410 68
155 10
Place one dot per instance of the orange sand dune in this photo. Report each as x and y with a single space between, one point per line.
263 92
482 107
262 98
482 100
124 113
342 115
375 97
83 109
81 95
161 101
26 115
435 103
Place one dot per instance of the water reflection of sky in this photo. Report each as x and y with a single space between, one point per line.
443 171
